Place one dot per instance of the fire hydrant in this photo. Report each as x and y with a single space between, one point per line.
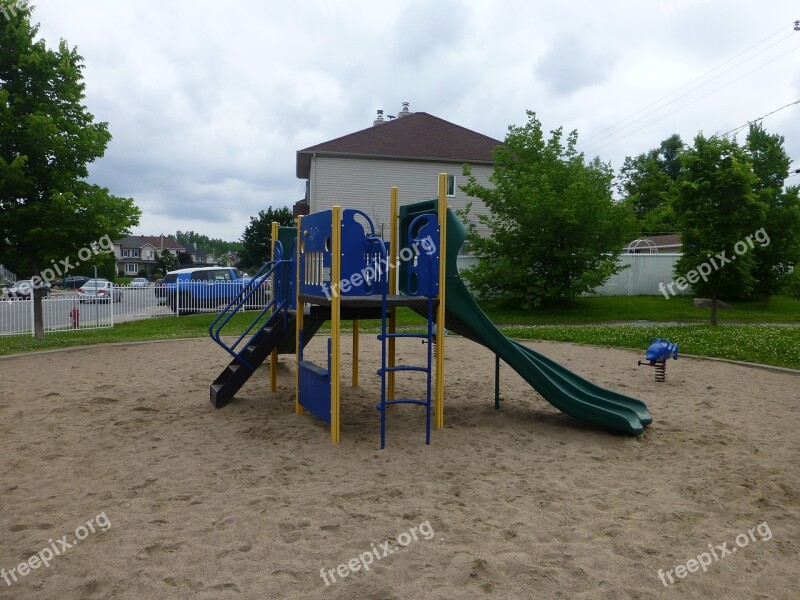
75 316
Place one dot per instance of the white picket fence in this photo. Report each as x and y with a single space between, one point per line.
67 311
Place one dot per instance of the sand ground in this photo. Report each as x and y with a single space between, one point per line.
252 501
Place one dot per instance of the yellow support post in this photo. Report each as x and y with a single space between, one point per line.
298 408
336 277
440 312
273 363
393 241
355 353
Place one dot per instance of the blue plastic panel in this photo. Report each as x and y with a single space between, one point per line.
421 256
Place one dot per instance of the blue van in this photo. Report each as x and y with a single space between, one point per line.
201 289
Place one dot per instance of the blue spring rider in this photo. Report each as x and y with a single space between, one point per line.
657 353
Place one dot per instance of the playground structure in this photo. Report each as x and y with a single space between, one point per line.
659 350
338 269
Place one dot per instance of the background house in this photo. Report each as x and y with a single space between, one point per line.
138 253
655 244
409 151
198 256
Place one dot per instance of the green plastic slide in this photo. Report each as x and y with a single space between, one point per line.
570 393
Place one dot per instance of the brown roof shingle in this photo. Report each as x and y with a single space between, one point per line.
158 241
418 136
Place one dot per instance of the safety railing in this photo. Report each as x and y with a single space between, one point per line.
274 309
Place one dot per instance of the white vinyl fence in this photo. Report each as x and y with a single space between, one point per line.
640 277
66 310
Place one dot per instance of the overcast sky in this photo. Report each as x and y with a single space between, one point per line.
208 101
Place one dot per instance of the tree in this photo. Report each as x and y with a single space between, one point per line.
717 206
50 213
555 230
216 246
257 236
648 183
166 261
774 261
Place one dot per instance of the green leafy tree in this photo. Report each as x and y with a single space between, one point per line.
166 261
647 184
774 261
556 231
216 246
48 211
257 236
717 206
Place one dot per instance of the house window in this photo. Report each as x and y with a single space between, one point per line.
125 253
131 268
135 253
451 185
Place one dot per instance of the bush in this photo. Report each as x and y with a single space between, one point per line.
793 283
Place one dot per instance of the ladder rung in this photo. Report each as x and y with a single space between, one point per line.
403 368
386 336
402 401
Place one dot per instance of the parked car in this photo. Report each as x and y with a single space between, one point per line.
192 290
160 291
72 283
23 289
139 283
99 290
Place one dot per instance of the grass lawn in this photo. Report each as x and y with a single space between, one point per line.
582 322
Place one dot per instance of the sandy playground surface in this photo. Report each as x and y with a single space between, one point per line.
252 501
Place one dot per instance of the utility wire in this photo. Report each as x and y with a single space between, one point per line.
694 89
595 148
782 28
761 118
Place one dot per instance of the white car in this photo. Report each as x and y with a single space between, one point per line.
139 283
99 290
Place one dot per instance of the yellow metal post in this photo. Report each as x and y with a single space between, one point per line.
298 408
336 276
273 363
355 353
440 312
393 241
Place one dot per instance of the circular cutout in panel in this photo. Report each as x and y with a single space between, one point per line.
327 244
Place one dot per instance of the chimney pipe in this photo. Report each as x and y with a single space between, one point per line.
405 112
379 120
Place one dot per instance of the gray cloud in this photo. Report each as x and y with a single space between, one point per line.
209 101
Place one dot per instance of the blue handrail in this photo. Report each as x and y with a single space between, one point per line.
277 305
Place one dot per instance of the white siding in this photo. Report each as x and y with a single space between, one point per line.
364 184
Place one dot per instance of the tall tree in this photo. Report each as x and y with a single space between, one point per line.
555 230
774 261
166 261
50 213
257 236
647 184
216 246
717 206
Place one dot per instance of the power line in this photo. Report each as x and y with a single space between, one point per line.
771 35
595 148
694 89
761 118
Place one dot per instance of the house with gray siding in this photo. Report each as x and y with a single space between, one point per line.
409 151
